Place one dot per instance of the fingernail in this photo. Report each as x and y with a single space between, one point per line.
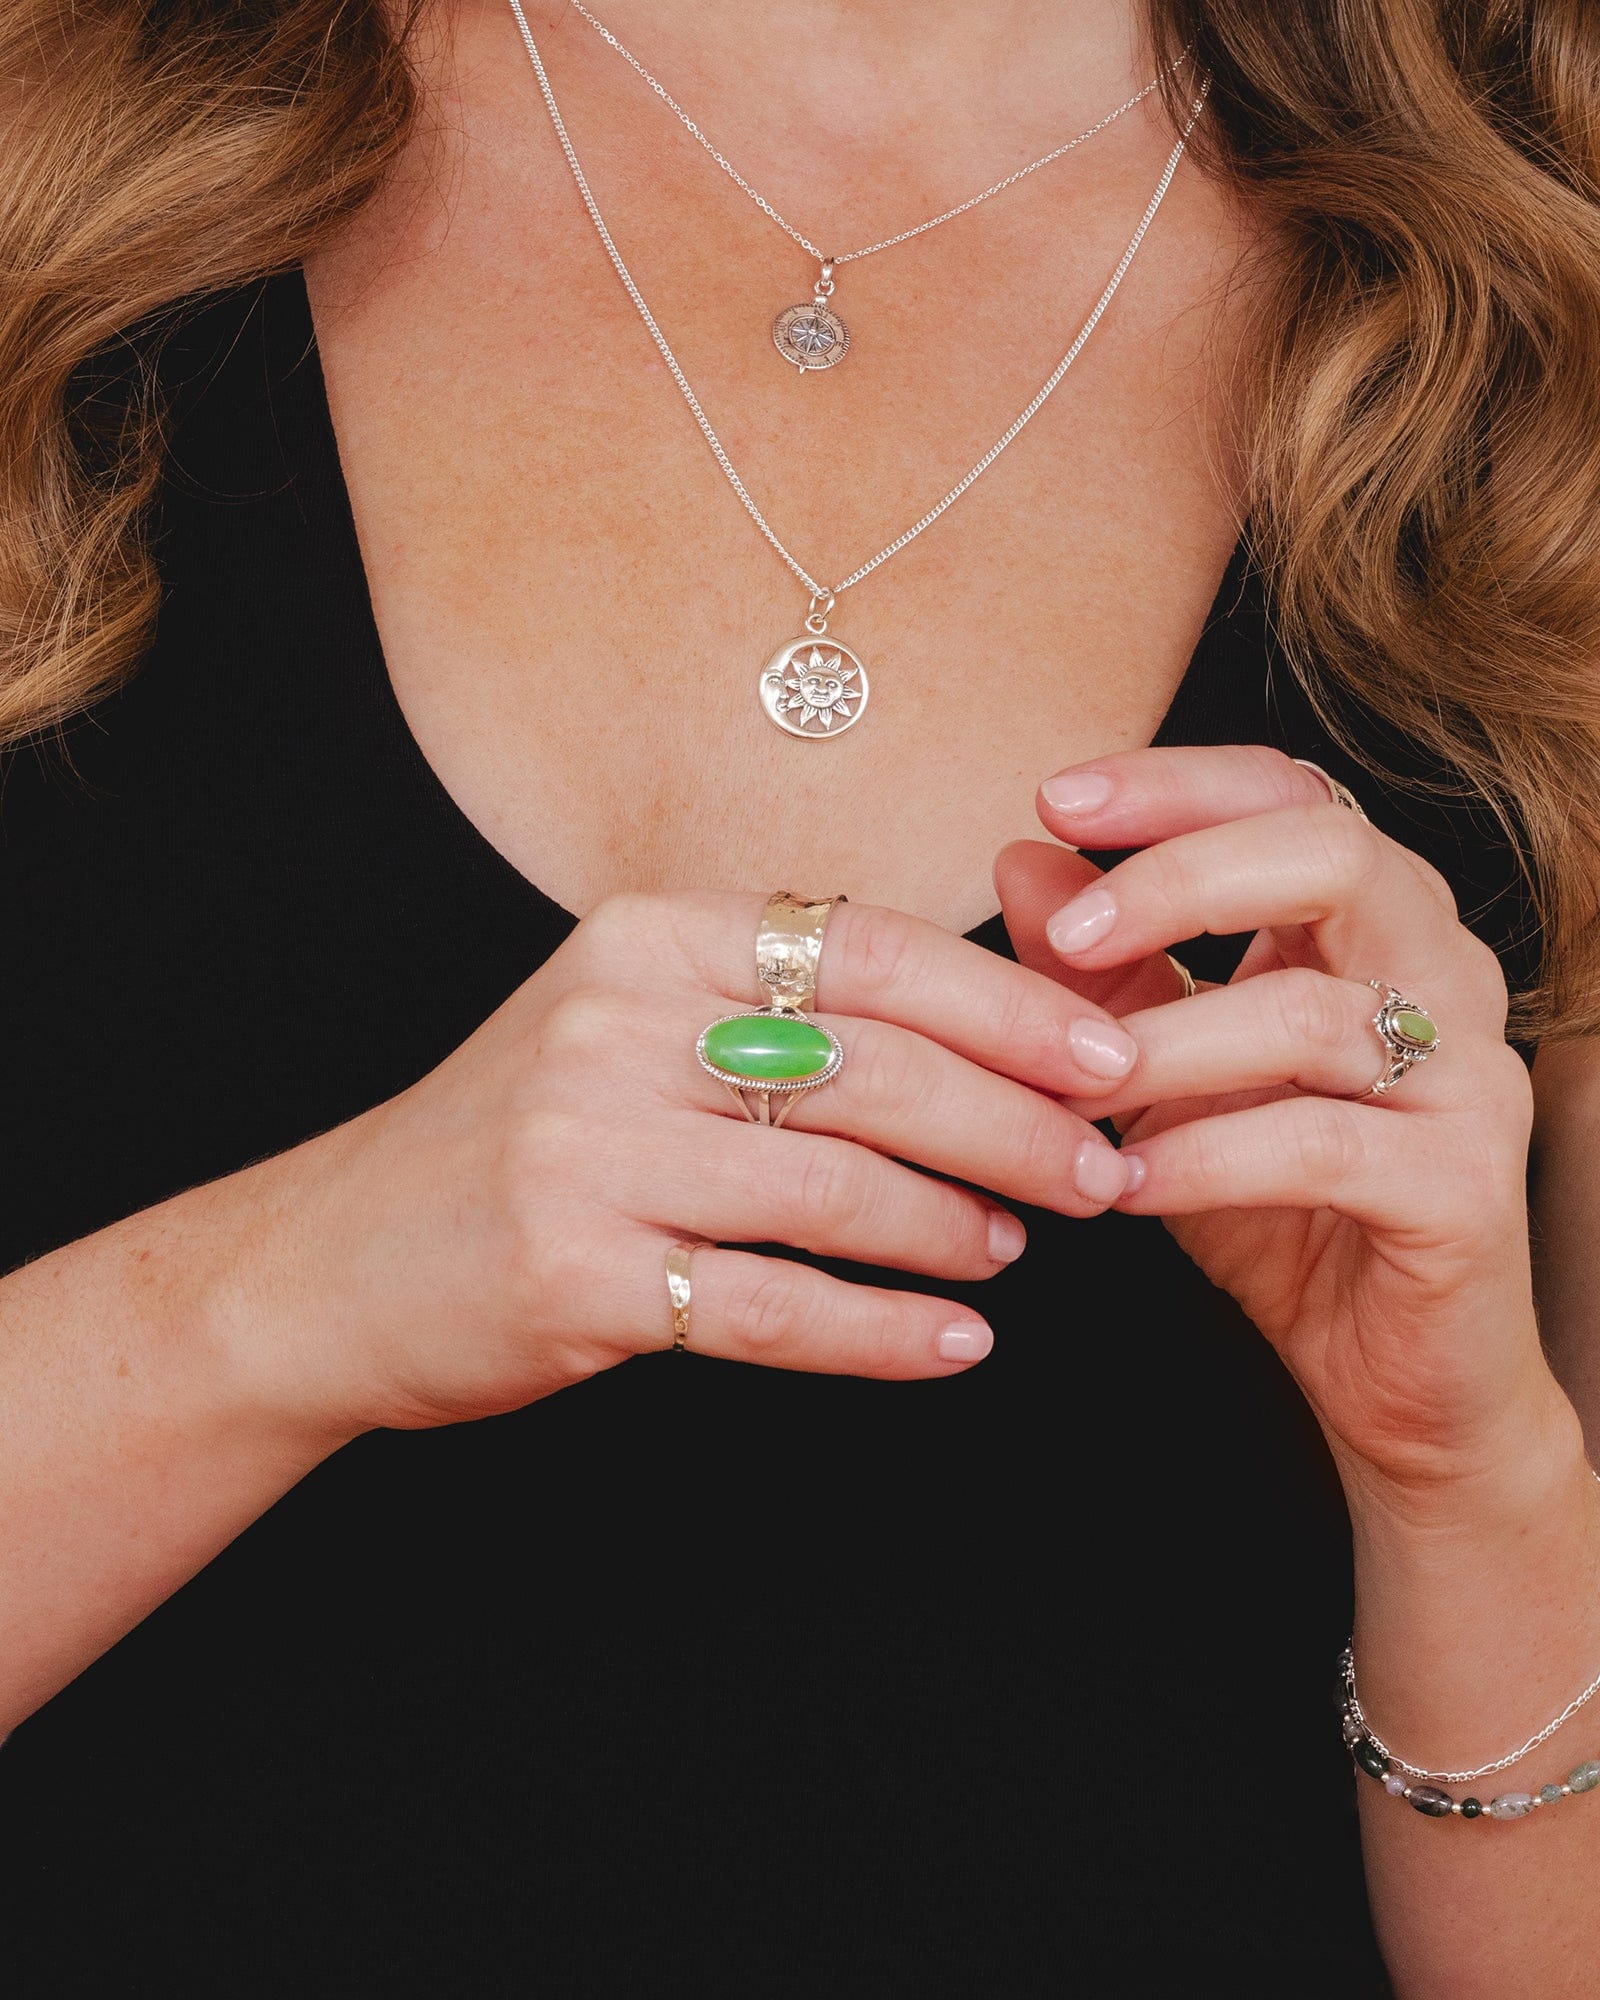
1134 1167
1102 1047
1083 922
970 1341
1007 1237
1076 791
1098 1173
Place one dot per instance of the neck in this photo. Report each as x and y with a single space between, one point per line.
1030 65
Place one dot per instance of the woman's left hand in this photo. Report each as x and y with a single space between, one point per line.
1380 1244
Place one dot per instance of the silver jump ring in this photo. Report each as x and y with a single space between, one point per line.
1407 1032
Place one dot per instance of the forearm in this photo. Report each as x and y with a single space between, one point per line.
1474 1629
137 1437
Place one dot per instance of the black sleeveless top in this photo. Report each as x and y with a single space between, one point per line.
694 1677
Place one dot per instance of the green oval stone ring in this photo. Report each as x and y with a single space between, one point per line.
772 1053
1407 1033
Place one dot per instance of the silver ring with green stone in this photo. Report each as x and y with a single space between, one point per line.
771 1057
1406 1031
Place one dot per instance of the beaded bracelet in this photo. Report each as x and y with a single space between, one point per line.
1374 1758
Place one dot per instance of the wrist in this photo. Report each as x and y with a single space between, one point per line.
1525 1468
256 1311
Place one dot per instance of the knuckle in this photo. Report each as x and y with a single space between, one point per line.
1321 1143
884 1070
871 948
583 1021
1508 1091
1485 980
826 1182
1341 849
764 1307
1315 1010
1042 1142
620 918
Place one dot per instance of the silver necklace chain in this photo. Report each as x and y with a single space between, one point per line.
822 594
905 235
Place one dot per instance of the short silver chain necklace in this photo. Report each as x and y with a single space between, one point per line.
812 336
816 690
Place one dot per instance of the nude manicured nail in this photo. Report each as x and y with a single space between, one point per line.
1082 922
1007 1237
1102 1048
1135 1168
1076 791
1098 1173
970 1341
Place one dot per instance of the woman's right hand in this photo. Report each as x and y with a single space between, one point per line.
500 1229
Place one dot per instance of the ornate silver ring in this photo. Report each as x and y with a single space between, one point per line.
1407 1033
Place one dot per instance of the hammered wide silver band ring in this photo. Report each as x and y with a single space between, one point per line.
1407 1032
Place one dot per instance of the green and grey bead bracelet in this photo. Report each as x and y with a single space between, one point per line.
1433 1800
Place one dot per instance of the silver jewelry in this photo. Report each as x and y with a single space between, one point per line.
767 1058
1406 1031
782 686
1352 1707
812 336
1340 794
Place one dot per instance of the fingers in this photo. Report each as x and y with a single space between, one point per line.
1307 1153
908 1097
1139 796
887 966
1033 879
911 1099
1297 1027
786 1315
753 1185
1365 906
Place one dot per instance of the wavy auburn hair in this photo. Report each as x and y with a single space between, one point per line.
1421 411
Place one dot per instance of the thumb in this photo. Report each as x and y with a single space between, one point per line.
1033 879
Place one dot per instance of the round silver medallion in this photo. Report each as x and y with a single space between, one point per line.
811 336
814 688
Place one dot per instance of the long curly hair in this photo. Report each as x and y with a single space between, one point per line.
1420 406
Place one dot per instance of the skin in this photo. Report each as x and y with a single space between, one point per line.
163 1382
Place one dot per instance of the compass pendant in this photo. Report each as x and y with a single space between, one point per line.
811 336
814 687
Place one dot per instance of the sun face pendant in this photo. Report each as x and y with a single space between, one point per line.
814 687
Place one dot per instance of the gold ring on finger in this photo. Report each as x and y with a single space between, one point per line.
678 1292
768 1057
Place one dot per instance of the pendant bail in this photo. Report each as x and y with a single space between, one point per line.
824 285
817 621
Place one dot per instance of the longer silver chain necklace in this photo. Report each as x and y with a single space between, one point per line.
812 336
810 689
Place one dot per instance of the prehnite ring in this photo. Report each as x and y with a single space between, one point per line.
773 1052
1407 1032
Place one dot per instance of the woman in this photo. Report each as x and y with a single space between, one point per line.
364 569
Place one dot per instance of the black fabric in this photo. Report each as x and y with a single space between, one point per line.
694 1677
